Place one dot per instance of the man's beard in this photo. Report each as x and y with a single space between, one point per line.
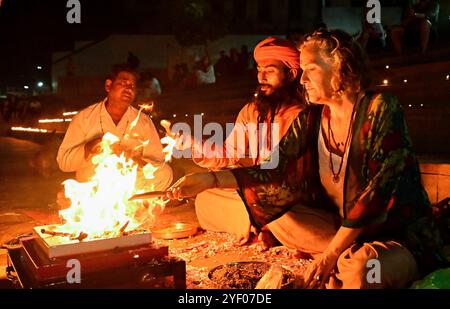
268 105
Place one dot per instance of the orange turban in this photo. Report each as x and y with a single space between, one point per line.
278 49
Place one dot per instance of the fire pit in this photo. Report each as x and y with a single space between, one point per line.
102 231
130 259
139 266
56 244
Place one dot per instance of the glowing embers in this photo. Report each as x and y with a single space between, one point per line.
56 244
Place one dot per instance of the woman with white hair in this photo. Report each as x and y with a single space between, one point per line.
354 159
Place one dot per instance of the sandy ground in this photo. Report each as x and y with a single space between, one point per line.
27 199
207 250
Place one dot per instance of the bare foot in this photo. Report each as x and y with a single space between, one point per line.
303 255
267 239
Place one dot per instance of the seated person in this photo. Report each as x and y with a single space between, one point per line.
347 188
418 21
372 35
114 114
150 87
278 101
204 72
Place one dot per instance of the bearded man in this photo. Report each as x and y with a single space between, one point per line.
277 102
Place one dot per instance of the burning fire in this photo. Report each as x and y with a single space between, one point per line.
100 208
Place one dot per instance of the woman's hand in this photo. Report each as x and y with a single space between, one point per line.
319 271
191 185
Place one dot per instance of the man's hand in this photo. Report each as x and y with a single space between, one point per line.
118 149
191 185
183 142
62 201
92 147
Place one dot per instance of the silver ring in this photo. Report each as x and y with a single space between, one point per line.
317 277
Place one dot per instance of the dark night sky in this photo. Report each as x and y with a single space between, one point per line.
31 29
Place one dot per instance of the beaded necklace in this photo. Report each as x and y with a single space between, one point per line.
101 125
336 175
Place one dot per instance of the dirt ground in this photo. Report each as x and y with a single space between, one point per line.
27 199
207 250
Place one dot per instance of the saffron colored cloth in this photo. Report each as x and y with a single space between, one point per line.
383 193
274 48
237 152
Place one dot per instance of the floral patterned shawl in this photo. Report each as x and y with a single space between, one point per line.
383 192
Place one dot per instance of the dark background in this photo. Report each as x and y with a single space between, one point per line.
31 29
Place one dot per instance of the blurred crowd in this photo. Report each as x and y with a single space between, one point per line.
207 72
20 110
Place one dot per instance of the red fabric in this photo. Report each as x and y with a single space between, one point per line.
278 49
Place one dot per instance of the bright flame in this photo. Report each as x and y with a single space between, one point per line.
100 208
142 107
147 107
149 171
168 150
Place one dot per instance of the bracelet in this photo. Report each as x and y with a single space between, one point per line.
216 180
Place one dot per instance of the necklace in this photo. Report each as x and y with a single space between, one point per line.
101 125
336 176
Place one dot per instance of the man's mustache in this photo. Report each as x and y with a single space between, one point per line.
259 92
264 85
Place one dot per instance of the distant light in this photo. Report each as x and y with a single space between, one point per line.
36 130
385 82
40 84
421 105
174 115
69 113
186 115
26 87
387 67
410 105
203 114
50 120
405 81
447 77
39 67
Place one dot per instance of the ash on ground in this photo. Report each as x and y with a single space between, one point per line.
207 250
